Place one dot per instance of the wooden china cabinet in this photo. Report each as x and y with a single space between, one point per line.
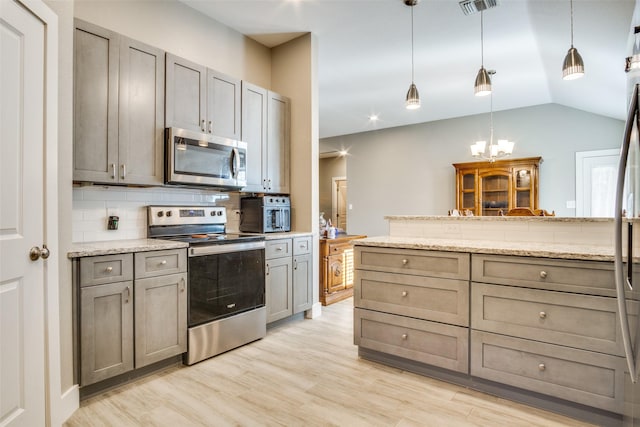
336 268
487 188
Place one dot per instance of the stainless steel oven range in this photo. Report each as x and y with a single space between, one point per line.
226 278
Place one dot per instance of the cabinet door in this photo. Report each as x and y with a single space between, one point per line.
467 190
185 94
223 105
106 331
523 188
161 318
95 133
279 289
335 273
141 113
495 190
254 133
302 281
278 145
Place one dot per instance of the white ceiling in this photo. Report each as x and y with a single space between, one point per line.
364 55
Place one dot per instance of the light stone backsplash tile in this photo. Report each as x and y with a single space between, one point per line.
92 206
594 232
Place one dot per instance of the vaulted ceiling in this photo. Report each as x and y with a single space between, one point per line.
364 55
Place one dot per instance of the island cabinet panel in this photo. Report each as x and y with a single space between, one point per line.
588 277
580 321
441 300
585 377
433 343
450 265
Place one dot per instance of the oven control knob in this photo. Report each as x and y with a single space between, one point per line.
169 213
213 213
160 214
219 213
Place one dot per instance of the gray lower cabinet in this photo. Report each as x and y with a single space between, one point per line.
201 99
132 311
161 318
106 331
289 277
118 108
585 377
266 130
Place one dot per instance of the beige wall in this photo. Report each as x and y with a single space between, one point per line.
294 74
329 168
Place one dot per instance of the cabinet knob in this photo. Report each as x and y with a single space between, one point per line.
405 261
108 269
542 367
163 262
543 274
543 315
404 293
405 336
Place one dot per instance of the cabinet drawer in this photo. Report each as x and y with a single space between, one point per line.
278 248
436 344
449 265
160 263
338 248
591 277
581 321
580 376
103 269
302 245
441 300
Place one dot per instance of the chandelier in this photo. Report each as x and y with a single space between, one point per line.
493 151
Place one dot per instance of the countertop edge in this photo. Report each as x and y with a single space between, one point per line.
114 247
528 249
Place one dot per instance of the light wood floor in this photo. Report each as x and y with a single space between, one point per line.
303 373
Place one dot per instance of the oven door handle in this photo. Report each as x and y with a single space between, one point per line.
225 248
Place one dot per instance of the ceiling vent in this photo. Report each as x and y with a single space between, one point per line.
472 6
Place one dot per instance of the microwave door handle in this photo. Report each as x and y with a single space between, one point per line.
235 163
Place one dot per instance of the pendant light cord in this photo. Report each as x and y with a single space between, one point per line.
482 38
491 122
412 81
571 5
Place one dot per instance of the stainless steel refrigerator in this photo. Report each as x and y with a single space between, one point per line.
627 215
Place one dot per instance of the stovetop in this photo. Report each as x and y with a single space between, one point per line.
214 239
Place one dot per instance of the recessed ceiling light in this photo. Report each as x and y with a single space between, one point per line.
373 117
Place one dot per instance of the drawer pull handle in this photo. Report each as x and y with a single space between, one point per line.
127 294
405 261
404 293
279 248
541 367
108 269
543 274
542 315
404 336
163 262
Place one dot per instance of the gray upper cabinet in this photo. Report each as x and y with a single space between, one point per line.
266 128
118 108
223 105
202 99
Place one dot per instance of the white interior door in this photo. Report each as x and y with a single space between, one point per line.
339 202
596 174
22 301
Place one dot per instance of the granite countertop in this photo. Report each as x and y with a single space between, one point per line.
532 249
500 218
287 234
111 247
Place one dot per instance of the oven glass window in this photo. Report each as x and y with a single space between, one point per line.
225 284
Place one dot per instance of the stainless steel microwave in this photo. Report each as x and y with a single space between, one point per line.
194 158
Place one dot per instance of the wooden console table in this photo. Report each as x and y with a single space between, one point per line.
336 268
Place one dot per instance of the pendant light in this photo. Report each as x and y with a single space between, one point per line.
483 80
413 97
494 150
573 67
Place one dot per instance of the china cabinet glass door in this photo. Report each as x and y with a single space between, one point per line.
523 192
495 192
468 192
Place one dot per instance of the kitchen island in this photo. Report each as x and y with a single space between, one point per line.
521 307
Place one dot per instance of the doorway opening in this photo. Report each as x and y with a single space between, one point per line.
339 202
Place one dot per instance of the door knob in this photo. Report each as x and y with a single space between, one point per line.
35 253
